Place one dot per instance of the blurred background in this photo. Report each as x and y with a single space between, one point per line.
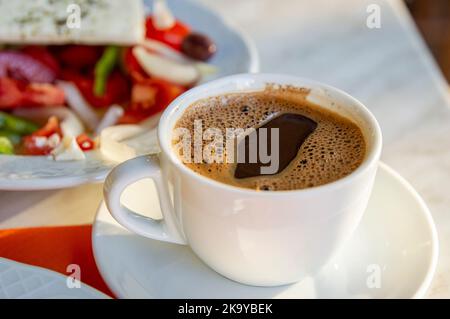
399 70
433 20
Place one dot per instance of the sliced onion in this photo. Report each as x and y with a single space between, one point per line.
78 104
163 18
71 125
167 69
111 139
170 53
122 142
164 50
110 118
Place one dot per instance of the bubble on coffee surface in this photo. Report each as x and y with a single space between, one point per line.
335 149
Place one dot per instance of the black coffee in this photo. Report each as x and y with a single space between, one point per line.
316 146
293 129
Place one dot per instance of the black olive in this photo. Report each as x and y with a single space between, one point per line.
198 46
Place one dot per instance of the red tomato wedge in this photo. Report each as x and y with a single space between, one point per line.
31 144
79 56
10 94
15 94
143 96
42 94
132 66
31 147
173 37
117 88
148 98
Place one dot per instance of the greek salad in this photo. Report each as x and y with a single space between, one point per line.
56 100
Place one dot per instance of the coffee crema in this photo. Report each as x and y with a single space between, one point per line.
326 151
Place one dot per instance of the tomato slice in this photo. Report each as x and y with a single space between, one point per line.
42 94
31 144
85 142
117 88
148 98
79 56
31 147
14 94
143 96
132 117
132 66
10 94
173 37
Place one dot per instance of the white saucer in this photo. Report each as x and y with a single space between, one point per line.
21 281
396 239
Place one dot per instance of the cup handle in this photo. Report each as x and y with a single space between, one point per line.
132 171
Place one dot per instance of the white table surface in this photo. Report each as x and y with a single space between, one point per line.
389 69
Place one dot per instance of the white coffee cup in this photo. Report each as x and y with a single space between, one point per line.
258 238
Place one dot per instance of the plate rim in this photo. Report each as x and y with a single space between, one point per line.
420 292
48 272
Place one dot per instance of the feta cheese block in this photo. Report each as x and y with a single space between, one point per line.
71 21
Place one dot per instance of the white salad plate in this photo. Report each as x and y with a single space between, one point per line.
392 254
235 54
20 281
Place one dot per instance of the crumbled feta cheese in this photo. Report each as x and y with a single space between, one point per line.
48 21
40 141
68 150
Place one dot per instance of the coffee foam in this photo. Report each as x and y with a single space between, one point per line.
335 149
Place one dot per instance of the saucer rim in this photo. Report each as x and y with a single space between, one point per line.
426 283
418 294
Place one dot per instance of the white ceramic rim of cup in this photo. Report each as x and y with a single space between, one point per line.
178 105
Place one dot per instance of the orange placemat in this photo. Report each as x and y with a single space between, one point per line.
54 248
